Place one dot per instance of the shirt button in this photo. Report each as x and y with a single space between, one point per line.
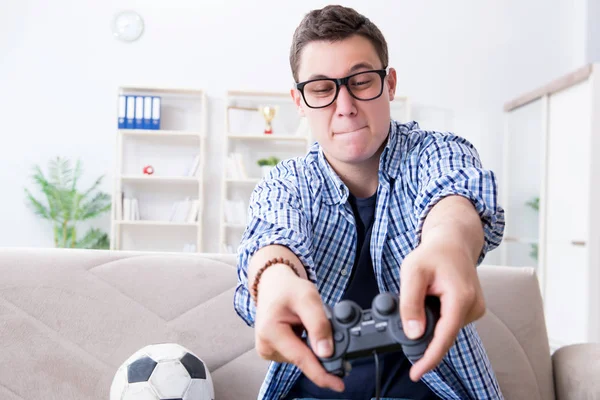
343 272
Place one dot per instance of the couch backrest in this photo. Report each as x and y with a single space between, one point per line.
514 334
69 318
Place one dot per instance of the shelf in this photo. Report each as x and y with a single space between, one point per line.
269 137
243 93
180 147
160 179
513 239
243 108
159 133
235 226
248 181
159 90
159 223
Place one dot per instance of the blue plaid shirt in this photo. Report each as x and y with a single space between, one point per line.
303 205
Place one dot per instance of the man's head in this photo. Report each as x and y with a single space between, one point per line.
337 42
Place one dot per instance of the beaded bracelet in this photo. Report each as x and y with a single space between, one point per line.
273 261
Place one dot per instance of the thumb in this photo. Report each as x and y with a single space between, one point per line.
413 289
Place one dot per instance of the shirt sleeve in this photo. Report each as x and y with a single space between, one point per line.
275 216
450 165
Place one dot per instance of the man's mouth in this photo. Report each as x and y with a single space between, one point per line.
343 131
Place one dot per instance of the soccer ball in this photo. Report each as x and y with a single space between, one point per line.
162 371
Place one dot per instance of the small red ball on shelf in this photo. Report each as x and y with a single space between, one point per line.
148 170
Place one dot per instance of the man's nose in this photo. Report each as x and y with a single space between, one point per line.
345 102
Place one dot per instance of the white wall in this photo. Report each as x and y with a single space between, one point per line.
60 67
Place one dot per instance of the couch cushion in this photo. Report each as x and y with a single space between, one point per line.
249 371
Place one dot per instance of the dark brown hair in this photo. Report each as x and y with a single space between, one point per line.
334 23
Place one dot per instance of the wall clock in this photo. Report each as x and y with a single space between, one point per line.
127 26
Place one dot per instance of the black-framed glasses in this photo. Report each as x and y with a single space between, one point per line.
322 92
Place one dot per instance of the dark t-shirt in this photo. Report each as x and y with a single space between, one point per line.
393 367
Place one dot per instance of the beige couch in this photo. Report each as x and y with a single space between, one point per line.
69 318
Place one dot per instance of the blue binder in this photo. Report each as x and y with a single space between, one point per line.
156 112
139 112
147 122
122 111
130 112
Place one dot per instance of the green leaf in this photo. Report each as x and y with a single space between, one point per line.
94 239
37 207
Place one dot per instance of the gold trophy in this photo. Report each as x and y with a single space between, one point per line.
268 113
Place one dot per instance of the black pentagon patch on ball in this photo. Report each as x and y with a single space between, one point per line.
194 366
140 370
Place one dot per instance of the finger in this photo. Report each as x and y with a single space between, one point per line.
295 351
413 289
309 309
445 333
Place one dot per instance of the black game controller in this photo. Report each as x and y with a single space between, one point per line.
357 333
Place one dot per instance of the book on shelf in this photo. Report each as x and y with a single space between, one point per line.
185 210
139 112
235 166
189 248
127 209
194 167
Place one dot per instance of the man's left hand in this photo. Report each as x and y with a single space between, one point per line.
443 265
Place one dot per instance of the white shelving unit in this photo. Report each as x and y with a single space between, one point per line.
552 136
174 151
244 136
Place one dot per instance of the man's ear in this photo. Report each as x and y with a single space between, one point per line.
392 80
297 96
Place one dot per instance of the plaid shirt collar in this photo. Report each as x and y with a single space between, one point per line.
335 190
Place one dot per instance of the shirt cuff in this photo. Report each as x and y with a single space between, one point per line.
491 216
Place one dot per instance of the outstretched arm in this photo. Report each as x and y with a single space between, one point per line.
444 265
459 221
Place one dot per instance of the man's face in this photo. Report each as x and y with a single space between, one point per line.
350 131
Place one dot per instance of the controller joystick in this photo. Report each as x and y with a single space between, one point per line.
357 332
345 312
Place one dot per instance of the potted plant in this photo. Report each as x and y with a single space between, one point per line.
65 205
266 164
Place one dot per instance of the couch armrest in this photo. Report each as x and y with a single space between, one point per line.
576 371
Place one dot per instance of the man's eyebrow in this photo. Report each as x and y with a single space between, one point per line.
356 67
361 65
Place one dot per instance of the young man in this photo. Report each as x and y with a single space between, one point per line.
375 206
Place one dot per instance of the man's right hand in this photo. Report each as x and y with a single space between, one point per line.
286 301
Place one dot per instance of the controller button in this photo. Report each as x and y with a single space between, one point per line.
338 336
367 316
381 326
385 305
344 312
355 331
